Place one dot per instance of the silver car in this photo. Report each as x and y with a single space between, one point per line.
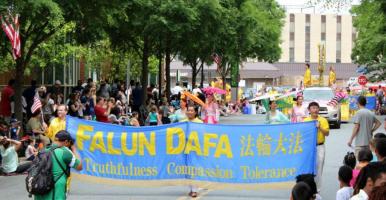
323 95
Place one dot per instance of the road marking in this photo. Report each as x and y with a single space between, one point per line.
201 193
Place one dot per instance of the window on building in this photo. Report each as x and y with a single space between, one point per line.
292 23
339 36
323 36
323 18
308 19
339 24
292 36
338 19
292 54
307 39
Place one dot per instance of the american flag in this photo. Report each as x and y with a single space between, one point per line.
12 32
216 59
36 105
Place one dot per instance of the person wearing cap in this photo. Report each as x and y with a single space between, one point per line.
58 123
323 130
67 157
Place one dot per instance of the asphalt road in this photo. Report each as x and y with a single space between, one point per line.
14 187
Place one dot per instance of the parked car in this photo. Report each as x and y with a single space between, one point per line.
323 95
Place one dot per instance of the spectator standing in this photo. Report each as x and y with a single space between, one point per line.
323 131
48 107
74 105
87 104
29 94
137 97
57 90
79 88
177 89
365 124
164 109
104 89
102 110
7 95
153 118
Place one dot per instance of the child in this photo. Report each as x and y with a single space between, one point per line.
134 119
344 175
364 158
372 144
31 151
301 191
153 118
350 160
15 129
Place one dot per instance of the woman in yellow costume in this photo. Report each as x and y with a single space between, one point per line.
331 77
307 76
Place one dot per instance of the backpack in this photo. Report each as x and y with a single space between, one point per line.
40 178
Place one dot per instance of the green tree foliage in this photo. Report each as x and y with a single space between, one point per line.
40 20
370 45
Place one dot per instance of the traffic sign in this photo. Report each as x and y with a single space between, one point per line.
362 80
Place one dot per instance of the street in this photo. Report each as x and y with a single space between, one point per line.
13 187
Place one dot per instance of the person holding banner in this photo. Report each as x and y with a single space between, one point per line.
58 123
274 116
323 131
191 113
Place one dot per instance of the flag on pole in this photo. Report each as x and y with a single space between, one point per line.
16 39
216 58
12 32
36 105
7 29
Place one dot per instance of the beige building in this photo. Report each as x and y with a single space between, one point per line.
303 32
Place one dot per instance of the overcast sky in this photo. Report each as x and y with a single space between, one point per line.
301 6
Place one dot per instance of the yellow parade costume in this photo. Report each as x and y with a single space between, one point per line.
307 78
331 78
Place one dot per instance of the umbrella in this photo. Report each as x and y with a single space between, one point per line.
194 98
266 96
294 93
213 90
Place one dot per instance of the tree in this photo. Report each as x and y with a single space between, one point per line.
197 44
40 20
248 29
132 29
370 45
